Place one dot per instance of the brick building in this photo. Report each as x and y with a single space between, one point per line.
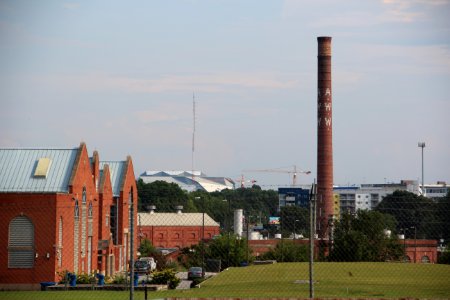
417 251
176 230
62 210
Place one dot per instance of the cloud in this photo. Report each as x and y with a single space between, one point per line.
219 82
71 5
428 59
408 11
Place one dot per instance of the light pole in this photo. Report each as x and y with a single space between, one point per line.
415 242
295 221
404 244
203 236
422 145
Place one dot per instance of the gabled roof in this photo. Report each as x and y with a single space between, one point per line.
18 170
117 170
174 219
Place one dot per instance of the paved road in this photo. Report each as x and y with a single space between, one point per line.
185 283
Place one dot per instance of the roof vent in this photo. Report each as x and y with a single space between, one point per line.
151 208
43 165
179 209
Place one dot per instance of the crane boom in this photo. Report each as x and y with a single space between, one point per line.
294 172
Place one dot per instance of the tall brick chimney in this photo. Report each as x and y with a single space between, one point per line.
324 197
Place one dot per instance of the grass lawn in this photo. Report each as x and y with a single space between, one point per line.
338 280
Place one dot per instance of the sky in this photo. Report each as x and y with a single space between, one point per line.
120 76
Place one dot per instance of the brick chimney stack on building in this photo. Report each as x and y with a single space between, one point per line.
324 196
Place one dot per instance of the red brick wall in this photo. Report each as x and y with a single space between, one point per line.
418 249
176 236
40 209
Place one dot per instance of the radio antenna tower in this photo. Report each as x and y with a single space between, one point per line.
193 133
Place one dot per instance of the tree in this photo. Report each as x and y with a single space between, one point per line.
146 248
443 213
414 214
294 217
287 251
165 196
362 237
230 249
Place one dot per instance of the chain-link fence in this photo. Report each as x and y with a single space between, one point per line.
234 243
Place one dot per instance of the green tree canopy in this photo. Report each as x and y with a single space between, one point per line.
362 237
414 214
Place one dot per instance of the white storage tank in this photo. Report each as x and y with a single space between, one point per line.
238 222
255 235
278 235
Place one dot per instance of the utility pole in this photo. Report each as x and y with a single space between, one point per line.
422 145
131 246
312 225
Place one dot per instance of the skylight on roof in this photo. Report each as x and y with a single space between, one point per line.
43 165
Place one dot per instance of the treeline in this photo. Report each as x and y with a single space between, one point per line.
413 215
257 203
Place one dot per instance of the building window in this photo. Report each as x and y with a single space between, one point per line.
76 236
60 237
83 224
21 243
113 223
425 259
161 236
76 210
90 211
177 235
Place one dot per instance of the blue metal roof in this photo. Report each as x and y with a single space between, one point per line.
116 170
17 167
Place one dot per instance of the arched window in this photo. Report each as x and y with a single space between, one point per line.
77 210
425 259
83 199
60 242
76 236
90 212
83 226
21 243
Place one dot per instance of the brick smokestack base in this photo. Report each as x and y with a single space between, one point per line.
324 137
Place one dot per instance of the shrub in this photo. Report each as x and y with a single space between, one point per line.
167 276
118 279
172 265
62 276
84 278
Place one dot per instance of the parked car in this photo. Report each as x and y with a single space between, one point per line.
151 261
142 267
195 272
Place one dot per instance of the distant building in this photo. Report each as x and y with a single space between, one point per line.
189 181
176 230
293 197
349 199
63 210
438 190
367 196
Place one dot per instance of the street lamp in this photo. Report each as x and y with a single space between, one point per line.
422 145
203 236
228 219
415 242
404 244
294 229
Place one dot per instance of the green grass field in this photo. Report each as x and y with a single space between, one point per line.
333 280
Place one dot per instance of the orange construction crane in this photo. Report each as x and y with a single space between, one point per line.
243 181
293 171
